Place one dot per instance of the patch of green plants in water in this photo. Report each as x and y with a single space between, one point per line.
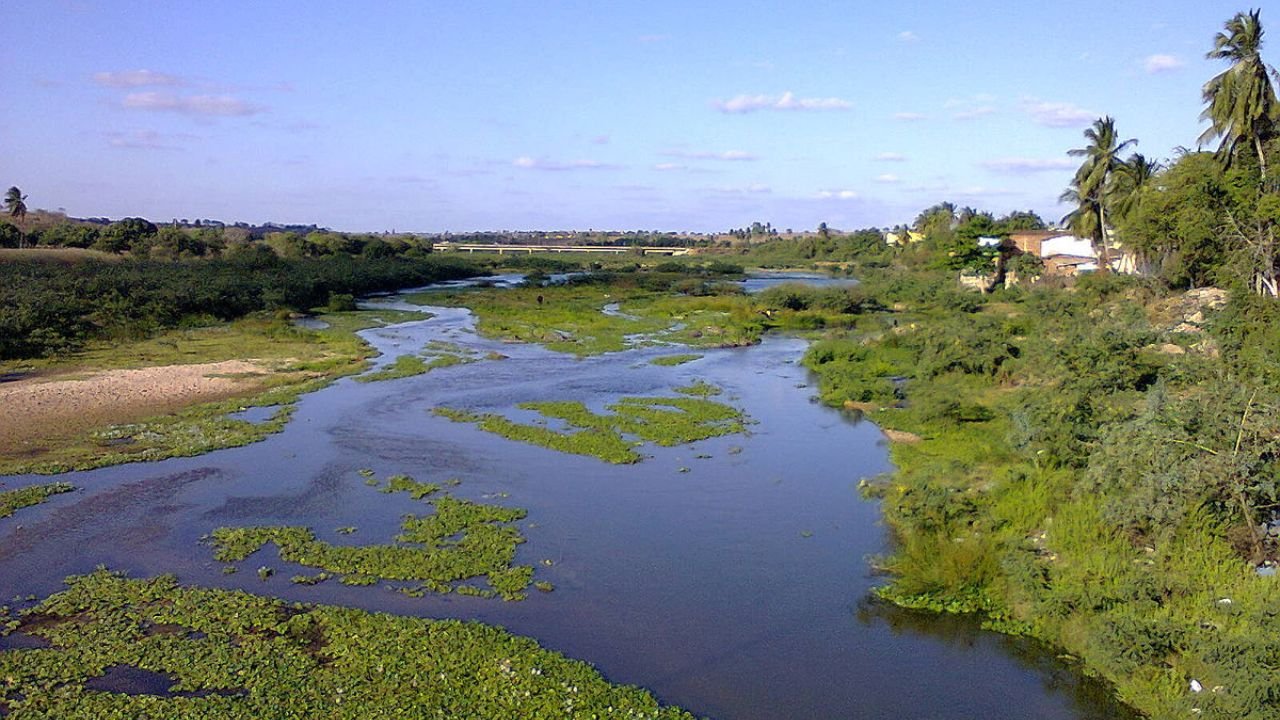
699 388
659 308
673 360
438 355
602 444
660 420
231 654
461 541
416 489
13 500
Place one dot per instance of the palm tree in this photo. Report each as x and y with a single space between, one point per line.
1089 186
1240 102
1127 181
15 203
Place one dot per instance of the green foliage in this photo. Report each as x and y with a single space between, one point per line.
461 541
235 655
50 308
1058 477
13 500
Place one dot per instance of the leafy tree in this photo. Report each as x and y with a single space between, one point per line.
1089 186
1175 223
1240 102
1020 220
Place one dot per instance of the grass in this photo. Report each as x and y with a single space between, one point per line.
230 654
300 360
61 255
658 420
461 541
13 500
673 360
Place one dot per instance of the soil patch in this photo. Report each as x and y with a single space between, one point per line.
42 408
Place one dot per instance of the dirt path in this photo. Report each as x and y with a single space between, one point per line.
40 408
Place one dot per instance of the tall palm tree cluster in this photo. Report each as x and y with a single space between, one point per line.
1243 115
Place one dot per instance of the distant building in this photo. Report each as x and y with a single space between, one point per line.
911 236
1066 254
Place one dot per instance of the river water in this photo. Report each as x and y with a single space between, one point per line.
728 577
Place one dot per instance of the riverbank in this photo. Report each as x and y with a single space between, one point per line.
1067 483
175 394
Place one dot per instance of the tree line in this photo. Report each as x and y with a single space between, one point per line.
48 308
1204 217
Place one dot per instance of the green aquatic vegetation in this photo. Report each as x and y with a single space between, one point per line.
235 655
461 540
569 318
416 489
13 500
410 365
602 444
662 421
698 389
366 472
544 586
673 360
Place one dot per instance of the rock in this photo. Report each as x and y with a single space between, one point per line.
901 436
1196 686
1170 349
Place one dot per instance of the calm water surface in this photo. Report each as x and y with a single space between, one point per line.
737 589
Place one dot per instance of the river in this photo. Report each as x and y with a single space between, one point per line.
728 577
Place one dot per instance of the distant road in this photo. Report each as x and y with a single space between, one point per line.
530 249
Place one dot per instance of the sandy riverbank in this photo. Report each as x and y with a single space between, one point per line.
41 408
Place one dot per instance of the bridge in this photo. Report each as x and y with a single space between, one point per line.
446 246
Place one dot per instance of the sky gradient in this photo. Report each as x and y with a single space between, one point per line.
458 116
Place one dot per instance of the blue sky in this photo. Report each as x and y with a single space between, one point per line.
433 116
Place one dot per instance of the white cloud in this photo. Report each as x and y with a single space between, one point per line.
726 155
980 191
1161 63
753 189
668 167
974 112
531 163
1024 165
891 157
136 78
908 116
908 36
1057 114
208 105
146 140
838 194
785 101
888 179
